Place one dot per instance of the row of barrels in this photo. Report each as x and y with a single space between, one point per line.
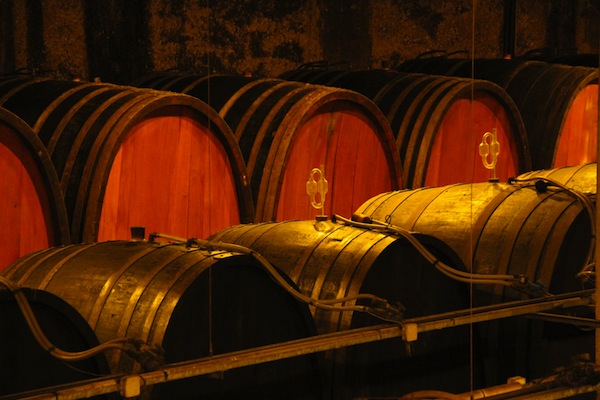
565 58
198 299
197 303
87 161
113 148
431 118
96 159
557 104
82 137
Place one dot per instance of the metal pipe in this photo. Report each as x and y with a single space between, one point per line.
557 394
129 385
543 391
492 391
503 310
566 319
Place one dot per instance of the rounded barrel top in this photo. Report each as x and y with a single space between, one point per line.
439 121
158 159
286 129
558 103
33 215
520 228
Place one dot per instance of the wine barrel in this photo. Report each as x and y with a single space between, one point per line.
192 302
582 60
32 209
539 231
26 366
330 260
439 65
285 129
11 84
562 57
367 82
158 79
127 156
197 85
542 233
439 122
558 103
582 178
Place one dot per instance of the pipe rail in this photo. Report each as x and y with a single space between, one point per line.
130 385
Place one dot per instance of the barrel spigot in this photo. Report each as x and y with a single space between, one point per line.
316 188
489 152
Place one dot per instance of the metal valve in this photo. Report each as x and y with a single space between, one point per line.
316 188
489 152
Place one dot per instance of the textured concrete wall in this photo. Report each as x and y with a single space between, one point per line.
234 36
45 36
404 31
587 28
119 40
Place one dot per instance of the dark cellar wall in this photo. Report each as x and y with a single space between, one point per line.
118 41
117 38
352 44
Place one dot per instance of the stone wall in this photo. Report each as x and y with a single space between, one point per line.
118 41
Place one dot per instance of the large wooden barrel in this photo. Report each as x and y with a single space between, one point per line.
546 236
540 231
435 64
558 103
27 366
330 260
193 303
197 85
32 209
582 60
582 178
127 156
439 122
562 57
285 129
